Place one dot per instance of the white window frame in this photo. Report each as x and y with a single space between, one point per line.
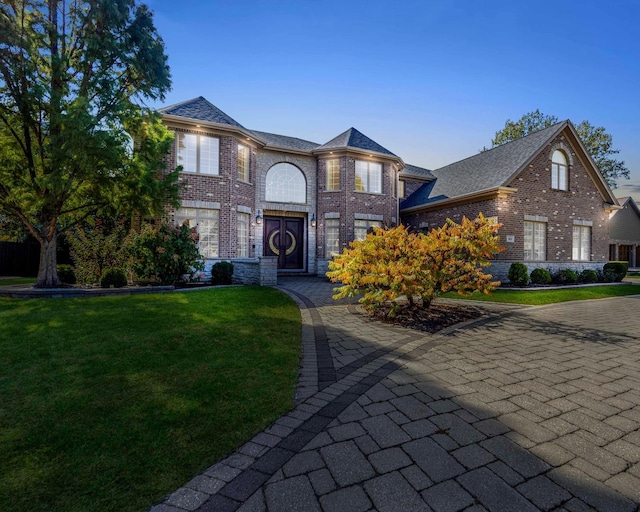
244 221
368 177
244 159
331 237
559 171
581 243
333 174
198 153
535 241
207 222
361 226
286 183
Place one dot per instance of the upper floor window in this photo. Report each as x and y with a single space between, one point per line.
333 174
286 184
243 163
198 153
368 177
401 189
559 171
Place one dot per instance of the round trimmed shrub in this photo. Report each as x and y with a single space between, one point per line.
540 276
565 276
66 274
616 270
113 278
588 276
222 272
518 274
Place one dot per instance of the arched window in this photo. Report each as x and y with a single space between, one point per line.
286 184
559 171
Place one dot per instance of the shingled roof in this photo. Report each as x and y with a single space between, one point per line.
352 138
285 142
200 109
486 170
413 171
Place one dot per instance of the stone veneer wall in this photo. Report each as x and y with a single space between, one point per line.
261 271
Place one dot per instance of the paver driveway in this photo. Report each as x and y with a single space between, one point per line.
533 408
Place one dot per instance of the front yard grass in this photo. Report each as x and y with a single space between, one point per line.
111 403
16 280
541 296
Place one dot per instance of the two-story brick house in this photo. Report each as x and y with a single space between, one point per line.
261 196
268 201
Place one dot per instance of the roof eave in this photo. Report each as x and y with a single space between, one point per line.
216 126
480 195
364 152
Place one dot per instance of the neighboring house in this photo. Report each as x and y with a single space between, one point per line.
624 230
272 203
544 189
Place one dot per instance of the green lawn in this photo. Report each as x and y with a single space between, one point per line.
17 280
111 403
540 297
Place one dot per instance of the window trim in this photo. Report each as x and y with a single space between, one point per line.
198 153
534 248
331 178
180 216
367 182
577 250
335 224
244 165
559 170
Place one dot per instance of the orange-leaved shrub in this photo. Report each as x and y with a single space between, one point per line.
393 263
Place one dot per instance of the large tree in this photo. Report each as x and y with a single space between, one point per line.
598 142
74 78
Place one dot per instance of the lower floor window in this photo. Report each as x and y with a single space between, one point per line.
361 227
535 241
581 243
206 222
243 235
332 237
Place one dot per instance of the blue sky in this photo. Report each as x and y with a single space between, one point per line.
430 80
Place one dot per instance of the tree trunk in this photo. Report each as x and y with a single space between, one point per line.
47 273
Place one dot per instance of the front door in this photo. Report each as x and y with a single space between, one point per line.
283 238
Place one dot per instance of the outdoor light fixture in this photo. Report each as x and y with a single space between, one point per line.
258 218
313 220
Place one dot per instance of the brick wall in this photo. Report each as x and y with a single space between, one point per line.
535 197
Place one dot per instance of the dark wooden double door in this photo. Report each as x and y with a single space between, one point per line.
284 239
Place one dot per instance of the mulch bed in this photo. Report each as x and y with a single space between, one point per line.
434 319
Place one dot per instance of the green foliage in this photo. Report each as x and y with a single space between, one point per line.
221 272
616 270
598 142
518 274
66 274
113 278
97 245
540 276
392 263
588 276
74 77
167 254
565 276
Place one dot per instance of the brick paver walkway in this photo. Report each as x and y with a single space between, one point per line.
525 409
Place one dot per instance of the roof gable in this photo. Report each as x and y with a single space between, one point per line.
352 138
492 168
200 109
